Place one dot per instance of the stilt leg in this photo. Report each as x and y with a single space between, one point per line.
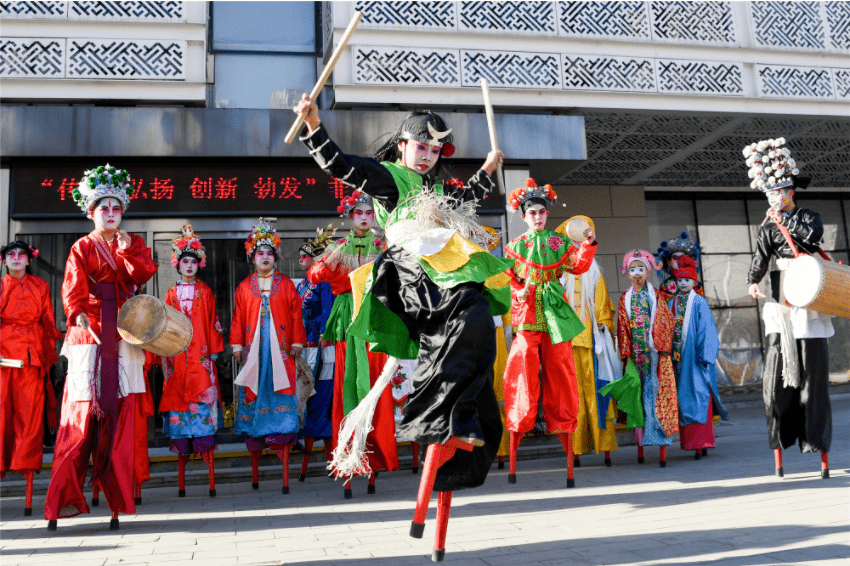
283 454
777 457
501 463
437 455
515 439
346 489
28 500
181 474
51 525
608 458
138 494
415 468
95 494
640 454
566 439
371 488
705 452
697 455
444 506
113 524
308 450
576 461
255 469
209 458
824 465
662 457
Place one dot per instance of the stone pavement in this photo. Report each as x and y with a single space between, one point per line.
727 509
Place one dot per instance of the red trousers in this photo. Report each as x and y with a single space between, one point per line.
522 384
21 418
698 436
77 432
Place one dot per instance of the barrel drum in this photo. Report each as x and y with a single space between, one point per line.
150 324
818 285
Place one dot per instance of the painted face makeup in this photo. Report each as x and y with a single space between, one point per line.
418 156
16 259
363 217
685 285
107 214
535 217
674 260
638 274
264 259
779 199
188 267
305 261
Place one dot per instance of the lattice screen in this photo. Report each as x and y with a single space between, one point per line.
126 59
511 70
23 57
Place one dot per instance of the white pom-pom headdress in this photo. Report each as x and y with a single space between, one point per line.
101 182
771 166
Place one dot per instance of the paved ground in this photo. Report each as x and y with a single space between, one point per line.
726 509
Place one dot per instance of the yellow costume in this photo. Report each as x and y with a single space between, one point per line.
502 322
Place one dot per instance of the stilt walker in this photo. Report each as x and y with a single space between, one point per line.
796 367
105 373
28 338
267 334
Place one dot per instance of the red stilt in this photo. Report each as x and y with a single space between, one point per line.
95 494
415 446
437 455
181 474
346 489
444 506
515 439
308 451
138 493
209 458
113 524
576 461
283 454
255 469
501 463
824 465
329 453
608 458
640 454
777 458
371 488
28 500
566 439
662 457
698 455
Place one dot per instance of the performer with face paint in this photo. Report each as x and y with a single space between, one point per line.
695 346
191 396
645 335
669 254
105 382
796 367
266 335
28 336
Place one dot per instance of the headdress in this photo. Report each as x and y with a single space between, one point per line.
428 128
262 235
642 256
687 268
188 243
771 166
357 198
544 195
317 245
101 182
32 252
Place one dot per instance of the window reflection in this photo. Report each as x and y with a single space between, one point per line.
668 219
725 280
722 226
261 80
264 26
739 360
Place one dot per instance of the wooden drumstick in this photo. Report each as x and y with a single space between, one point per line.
326 72
491 125
93 335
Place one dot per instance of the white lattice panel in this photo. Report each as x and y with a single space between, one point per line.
788 24
603 72
604 19
777 81
511 70
838 21
700 77
414 15
35 57
842 83
702 22
33 9
140 59
148 11
520 17
380 65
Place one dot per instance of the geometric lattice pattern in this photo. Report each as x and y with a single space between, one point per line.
693 21
427 15
33 9
838 20
168 11
32 57
512 70
700 77
604 19
406 66
508 16
842 83
126 59
608 73
794 82
788 24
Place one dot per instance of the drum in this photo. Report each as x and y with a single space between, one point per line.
821 286
574 228
150 324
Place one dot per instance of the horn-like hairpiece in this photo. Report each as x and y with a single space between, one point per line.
437 135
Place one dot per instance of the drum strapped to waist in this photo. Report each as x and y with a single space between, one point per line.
150 324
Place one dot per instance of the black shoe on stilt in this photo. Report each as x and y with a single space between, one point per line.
51 525
255 486
704 452
347 493
27 511
138 500
438 555
697 455
511 478
95 502
113 524
212 493
576 462
181 493
370 490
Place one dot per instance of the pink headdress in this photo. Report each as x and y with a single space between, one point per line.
642 256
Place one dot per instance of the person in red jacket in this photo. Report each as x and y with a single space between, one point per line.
104 269
28 335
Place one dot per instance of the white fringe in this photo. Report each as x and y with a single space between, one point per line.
428 210
349 456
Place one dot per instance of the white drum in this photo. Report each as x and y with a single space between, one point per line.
821 286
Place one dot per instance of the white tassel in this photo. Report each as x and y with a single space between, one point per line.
349 456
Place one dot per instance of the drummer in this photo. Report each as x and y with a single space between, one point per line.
103 270
796 367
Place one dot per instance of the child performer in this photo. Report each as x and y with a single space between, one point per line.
669 253
356 368
695 345
544 324
645 335
105 373
28 335
266 335
191 396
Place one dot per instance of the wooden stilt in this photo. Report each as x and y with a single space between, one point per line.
698 455
566 439
283 454
181 474
576 461
371 487
704 452
28 499
209 458
255 469
777 458
640 454
95 494
608 458
515 439
501 465
308 451
662 457
138 493
444 505
824 465
113 524
415 446
346 489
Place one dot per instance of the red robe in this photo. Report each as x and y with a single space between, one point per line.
27 333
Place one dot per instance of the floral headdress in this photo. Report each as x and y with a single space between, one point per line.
188 243
318 244
262 235
101 182
771 166
532 191
347 204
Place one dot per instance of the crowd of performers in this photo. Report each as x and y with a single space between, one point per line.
420 334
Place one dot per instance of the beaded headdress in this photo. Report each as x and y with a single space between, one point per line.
357 198
317 245
545 194
771 166
101 182
262 235
188 243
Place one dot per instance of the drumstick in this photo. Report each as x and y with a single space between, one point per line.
326 72
491 125
93 335
10 363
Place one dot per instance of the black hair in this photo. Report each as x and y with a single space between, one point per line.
18 244
184 254
534 200
415 123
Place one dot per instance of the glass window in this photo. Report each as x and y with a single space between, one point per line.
722 226
262 81
667 219
725 280
834 237
264 26
739 360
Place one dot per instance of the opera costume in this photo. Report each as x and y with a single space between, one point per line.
28 338
796 367
191 396
105 381
695 347
357 364
544 325
266 335
593 351
645 336
669 253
